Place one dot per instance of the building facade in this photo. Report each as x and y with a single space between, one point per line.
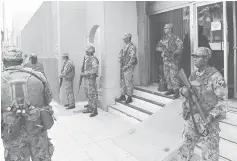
69 26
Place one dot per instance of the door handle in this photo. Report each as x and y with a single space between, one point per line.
235 47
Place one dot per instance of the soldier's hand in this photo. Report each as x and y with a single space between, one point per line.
184 92
125 68
210 119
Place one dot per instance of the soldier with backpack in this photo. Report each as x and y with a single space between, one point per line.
25 112
128 62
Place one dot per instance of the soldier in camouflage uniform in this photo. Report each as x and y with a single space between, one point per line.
24 101
68 74
171 47
34 64
128 62
91 73
212 92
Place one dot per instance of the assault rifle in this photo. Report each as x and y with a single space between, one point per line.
165 51
193 100
82 70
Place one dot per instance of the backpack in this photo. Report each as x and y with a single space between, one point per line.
20 111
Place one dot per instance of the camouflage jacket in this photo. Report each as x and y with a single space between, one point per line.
171 48
68 70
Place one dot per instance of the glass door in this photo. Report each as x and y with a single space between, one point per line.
211 32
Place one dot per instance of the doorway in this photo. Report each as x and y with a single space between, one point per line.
180 18
232 60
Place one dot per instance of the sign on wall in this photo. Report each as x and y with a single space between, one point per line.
216 25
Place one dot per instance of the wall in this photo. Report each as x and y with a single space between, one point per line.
37 34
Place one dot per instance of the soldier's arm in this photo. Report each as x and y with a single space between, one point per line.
48 93
220 90
95 68
159 46
66 70
132 51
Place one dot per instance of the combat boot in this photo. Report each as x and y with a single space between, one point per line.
88 110
94 112
86 106
169 92
176 94
70 107
121 98
129 100
66 105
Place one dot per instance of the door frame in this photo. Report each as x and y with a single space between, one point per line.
225 32
235 45
191 26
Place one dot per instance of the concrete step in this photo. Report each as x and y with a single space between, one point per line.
152 98
128 111
153 90
226 150
123 115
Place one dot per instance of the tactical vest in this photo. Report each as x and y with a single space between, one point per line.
71 74
21 107
127 57
89 67
205 94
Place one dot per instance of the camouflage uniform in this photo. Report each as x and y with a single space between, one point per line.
127 60
171 59
212 90
37 67
92 66
32 141
68 72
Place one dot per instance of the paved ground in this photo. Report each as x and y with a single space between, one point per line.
77 137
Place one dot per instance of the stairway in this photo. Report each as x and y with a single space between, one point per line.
147 100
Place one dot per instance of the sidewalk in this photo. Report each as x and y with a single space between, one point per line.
77 137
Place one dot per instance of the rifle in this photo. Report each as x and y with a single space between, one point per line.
165 51
82 70
193 94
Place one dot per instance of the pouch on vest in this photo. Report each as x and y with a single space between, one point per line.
12 125
47 119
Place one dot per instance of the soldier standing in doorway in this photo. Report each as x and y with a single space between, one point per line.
171 47
91 73
25 112
68 73
128 62
212 92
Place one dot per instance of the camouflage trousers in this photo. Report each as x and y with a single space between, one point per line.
127 82
69 92
170 71
38 148
92 93
209 144
85 86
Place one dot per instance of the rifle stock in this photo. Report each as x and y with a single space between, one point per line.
182 76
82 70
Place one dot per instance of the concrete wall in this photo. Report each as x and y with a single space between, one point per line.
37 34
